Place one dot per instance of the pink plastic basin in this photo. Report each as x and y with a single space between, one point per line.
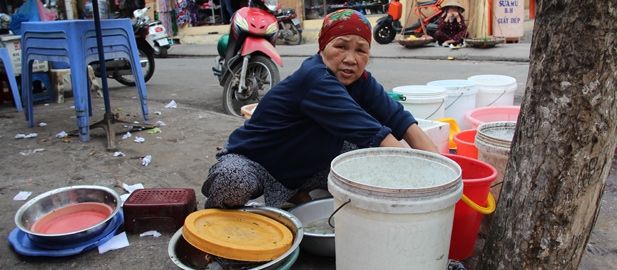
483 115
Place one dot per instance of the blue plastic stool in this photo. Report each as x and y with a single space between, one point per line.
74 42
48 93
8 67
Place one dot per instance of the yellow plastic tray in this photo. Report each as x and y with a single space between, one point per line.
237 235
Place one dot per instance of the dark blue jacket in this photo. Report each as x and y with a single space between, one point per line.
300 124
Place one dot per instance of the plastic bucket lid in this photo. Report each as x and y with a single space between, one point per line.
497 83
422 181
237 235
422 93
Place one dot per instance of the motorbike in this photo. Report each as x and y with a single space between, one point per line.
120 69
246 65
386 28
290 29
157 37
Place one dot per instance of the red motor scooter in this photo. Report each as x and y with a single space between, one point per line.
246 66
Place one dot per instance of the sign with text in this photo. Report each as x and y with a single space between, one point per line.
508 18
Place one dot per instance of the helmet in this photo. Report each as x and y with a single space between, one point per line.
221 46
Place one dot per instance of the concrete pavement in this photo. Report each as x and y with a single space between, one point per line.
517 52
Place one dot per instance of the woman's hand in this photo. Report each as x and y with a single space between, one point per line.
415 137
452 15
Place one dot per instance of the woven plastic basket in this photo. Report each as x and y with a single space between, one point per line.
485 42
415 43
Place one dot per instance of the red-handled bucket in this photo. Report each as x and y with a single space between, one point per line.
477 178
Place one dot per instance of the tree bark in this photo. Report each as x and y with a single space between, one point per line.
564 141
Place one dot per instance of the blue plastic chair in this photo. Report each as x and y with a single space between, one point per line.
8 67
74 42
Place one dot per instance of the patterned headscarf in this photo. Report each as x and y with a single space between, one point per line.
344 22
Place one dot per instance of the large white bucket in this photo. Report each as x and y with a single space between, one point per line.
494 90
423 101
395 208
461 99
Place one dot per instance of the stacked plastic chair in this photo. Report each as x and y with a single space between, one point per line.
8 67
74 42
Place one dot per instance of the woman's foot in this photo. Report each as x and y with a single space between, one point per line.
301 197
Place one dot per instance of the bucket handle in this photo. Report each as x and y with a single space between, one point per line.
459 96
490 204
339 208
442 102
504 92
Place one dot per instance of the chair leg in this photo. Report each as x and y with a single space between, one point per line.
141 87
8 67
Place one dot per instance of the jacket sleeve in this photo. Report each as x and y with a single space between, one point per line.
375 100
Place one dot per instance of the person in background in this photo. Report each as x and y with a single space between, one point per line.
228 11
451 30
329 106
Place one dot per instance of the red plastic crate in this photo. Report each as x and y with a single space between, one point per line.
173 204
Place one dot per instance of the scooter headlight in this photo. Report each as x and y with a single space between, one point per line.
272 29
241 23
272 5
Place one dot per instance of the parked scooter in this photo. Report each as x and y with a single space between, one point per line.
388 26
290 28
246 66
120 69
158 38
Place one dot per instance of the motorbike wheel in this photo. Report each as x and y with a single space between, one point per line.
160 52
261 75
147 70
297 35
384 33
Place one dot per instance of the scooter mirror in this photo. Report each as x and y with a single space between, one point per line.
140 12
271 5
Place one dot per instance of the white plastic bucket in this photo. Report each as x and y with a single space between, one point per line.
423 101
461 99
493 141
494 90
394 208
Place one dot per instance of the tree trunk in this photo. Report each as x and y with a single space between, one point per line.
564 141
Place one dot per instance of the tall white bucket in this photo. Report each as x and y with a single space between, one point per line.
493 141
461 99
494 90
423 101
394 208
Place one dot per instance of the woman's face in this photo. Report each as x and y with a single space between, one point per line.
347 57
